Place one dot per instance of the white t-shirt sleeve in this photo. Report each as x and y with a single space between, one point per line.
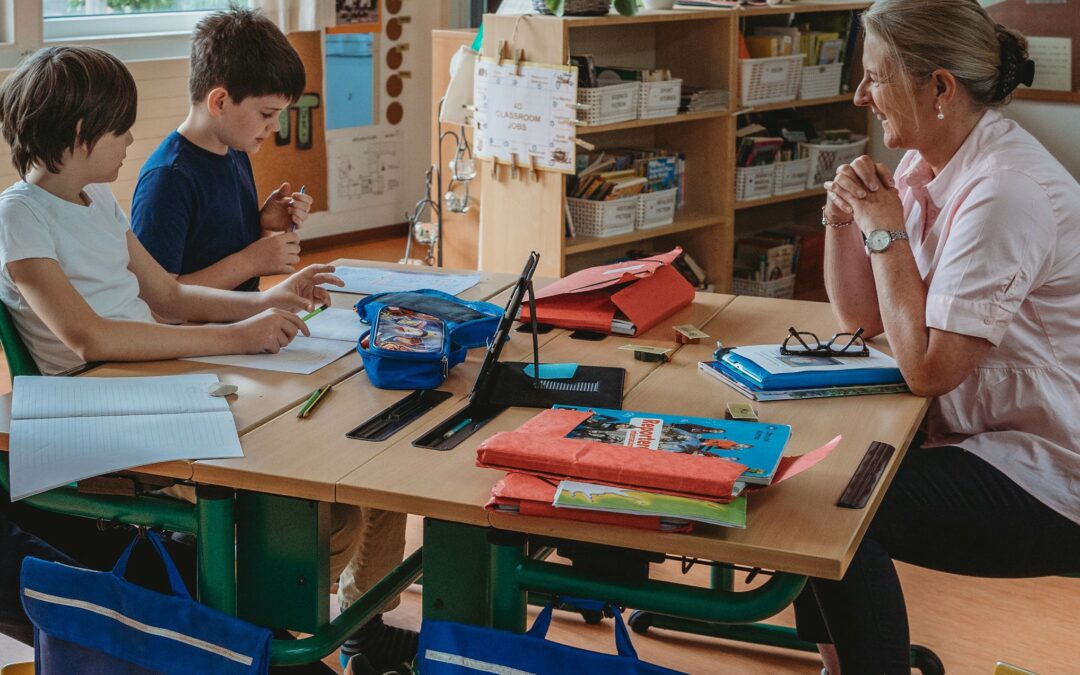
999 248
23 233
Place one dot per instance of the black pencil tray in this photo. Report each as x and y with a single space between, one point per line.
398 416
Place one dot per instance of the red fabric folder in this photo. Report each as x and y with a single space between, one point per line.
644 291
540 447
532 496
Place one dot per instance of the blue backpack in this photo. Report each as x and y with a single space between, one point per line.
98 623
416 337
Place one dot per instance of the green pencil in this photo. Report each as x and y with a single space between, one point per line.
313 313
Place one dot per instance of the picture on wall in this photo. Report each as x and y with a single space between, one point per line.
357 16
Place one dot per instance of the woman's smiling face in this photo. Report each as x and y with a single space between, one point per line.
905 122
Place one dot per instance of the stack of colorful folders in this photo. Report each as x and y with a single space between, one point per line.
762 373
658 472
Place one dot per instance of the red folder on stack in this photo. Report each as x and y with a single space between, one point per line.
540 447
627 297
531 496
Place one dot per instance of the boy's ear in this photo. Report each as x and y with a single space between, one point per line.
215 101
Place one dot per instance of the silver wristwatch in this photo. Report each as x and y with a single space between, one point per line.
879 240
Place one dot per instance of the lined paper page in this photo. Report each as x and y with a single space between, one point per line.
336 324
48 453
302 356
38 397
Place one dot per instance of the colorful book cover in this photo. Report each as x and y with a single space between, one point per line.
606 498
757 445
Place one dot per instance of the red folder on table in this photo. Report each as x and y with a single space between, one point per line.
528 495
540 447
628 297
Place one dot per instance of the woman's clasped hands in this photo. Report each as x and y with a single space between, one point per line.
864 191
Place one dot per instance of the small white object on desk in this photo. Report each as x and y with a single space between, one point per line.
221 389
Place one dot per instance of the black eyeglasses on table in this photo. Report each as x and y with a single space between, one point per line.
801 343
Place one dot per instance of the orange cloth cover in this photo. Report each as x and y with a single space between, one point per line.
591 298
540 447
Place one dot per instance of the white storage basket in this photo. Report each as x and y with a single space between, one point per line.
790 176
659 99
606 105
656 209
769 80
825 157
820 81
604 218
754 182
784 287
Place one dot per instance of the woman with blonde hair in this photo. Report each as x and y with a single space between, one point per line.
968 260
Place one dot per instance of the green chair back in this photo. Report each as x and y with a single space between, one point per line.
18 356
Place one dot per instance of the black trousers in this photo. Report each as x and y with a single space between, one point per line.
946 510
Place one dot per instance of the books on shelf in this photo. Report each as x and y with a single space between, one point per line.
755 445
698 99
671 510
732 378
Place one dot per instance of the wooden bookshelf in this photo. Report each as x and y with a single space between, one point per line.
700 47
778 199
518 216
652 122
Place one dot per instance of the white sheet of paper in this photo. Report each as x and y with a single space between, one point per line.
1053 62
369 280
302 356
769 358
335 324
66 429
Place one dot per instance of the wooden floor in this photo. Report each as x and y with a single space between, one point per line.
970 623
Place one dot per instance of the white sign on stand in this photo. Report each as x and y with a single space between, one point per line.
525 114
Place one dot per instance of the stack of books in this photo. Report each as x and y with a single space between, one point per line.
762 373
622 172
697 99
686 469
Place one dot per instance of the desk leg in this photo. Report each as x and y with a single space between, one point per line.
292 591
216 548
463 565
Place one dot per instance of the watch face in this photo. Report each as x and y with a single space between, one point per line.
878 240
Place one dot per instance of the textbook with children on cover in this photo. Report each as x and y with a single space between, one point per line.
756 445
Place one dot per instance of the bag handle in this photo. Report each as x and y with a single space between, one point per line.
175 582
542 623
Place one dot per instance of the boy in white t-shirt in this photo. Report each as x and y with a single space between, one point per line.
78 283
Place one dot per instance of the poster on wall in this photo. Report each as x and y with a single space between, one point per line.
350 80
356 16
364 169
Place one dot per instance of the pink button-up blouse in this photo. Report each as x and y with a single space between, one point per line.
996 236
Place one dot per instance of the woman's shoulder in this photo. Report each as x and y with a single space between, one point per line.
1013 150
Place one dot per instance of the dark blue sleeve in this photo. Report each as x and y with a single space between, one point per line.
161 215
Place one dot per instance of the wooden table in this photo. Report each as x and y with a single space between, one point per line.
475 564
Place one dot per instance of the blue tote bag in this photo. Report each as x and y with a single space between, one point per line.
95 623
448 648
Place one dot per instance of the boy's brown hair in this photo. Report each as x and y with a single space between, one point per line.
61 97
244 52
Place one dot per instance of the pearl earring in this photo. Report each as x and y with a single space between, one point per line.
940 115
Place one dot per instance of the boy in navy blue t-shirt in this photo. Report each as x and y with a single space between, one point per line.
197 212
195 207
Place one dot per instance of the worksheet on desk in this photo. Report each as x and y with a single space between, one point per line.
371 280
65 429
334 333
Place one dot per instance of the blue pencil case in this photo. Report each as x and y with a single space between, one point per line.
416 337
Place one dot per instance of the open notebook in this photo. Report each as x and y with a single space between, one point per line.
64 429
334 333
